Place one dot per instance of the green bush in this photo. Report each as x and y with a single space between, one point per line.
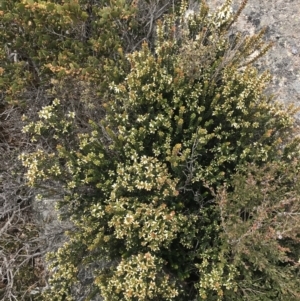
157 187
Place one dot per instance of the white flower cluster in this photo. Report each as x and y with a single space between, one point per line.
223 14
139 277
49 119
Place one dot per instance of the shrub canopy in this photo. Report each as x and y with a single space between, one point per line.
179 172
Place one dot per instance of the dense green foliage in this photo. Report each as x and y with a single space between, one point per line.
179 173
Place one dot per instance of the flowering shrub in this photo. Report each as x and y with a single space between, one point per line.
146 186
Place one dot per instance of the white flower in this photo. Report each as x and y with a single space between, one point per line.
71 115
189 14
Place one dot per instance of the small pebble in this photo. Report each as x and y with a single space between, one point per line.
294 50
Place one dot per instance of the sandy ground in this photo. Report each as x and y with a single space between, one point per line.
282 19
